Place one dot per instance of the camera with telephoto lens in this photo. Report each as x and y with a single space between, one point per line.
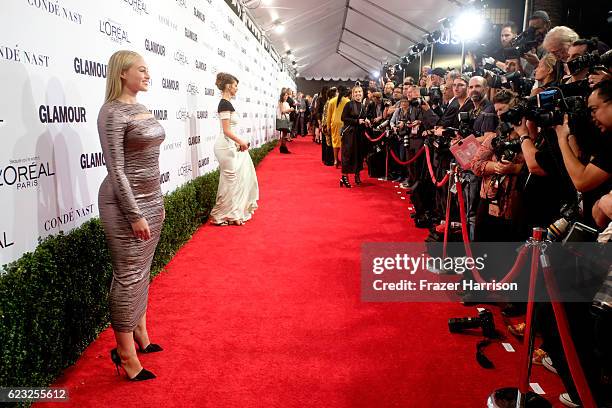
416 102
505 148
382 126
569 213
466 124
434 93
497 78
403 134
547 108
523 43
484 321
586 61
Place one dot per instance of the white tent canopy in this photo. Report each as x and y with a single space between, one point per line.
348 39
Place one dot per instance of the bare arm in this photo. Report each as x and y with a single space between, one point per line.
585 178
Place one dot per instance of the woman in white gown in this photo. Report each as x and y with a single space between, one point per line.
238 191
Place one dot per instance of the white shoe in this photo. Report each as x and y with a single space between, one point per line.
548 364
566 400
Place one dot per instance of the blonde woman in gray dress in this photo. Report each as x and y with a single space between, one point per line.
131 205
238 190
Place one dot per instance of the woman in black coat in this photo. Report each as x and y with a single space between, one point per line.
355 120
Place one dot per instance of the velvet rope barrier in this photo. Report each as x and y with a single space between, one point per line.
374 140
409 161
528 337
431 172
519 263
573 362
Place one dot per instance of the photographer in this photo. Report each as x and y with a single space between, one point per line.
392 104
602 72
539 24
545 73
409 122
558 42
391 75
459 103
579 48
595 178
507 34
375 109
499 162
448 93
388 90
484 121
441 160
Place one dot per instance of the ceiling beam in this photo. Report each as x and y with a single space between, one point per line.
384 10
371 42
355 64
360 51
353 58
382 25
346 9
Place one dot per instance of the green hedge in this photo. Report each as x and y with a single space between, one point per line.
53 301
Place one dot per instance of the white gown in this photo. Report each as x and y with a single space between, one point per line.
238 190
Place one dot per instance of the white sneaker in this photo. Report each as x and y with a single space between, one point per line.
567 401
548 364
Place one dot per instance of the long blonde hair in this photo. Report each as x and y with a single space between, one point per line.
117 64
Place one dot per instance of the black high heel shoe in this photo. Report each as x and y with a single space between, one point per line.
143 375
344 182
151 348
357 179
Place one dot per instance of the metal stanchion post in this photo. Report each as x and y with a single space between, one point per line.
537 237
521 397
451 179
386 161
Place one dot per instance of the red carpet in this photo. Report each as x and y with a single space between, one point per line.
269 314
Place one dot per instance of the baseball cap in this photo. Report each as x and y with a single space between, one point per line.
541 14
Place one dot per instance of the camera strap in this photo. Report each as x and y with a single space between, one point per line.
481 358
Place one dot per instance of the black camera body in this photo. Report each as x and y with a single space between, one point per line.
416 102
547 108
497 78
505 149
434 93
587 61
523 43
466 124
484 321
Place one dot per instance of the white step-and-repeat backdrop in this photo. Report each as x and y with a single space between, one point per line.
53 57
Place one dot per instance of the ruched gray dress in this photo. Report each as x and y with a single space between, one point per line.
130 139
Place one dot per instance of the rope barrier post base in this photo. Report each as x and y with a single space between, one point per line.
521 397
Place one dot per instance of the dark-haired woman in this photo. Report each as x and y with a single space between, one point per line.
499 215
317 114
334 120
238 190
354 119
283 111
326 141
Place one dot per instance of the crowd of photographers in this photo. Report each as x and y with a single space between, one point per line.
531 126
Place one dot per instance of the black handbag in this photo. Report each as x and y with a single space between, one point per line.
282 123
